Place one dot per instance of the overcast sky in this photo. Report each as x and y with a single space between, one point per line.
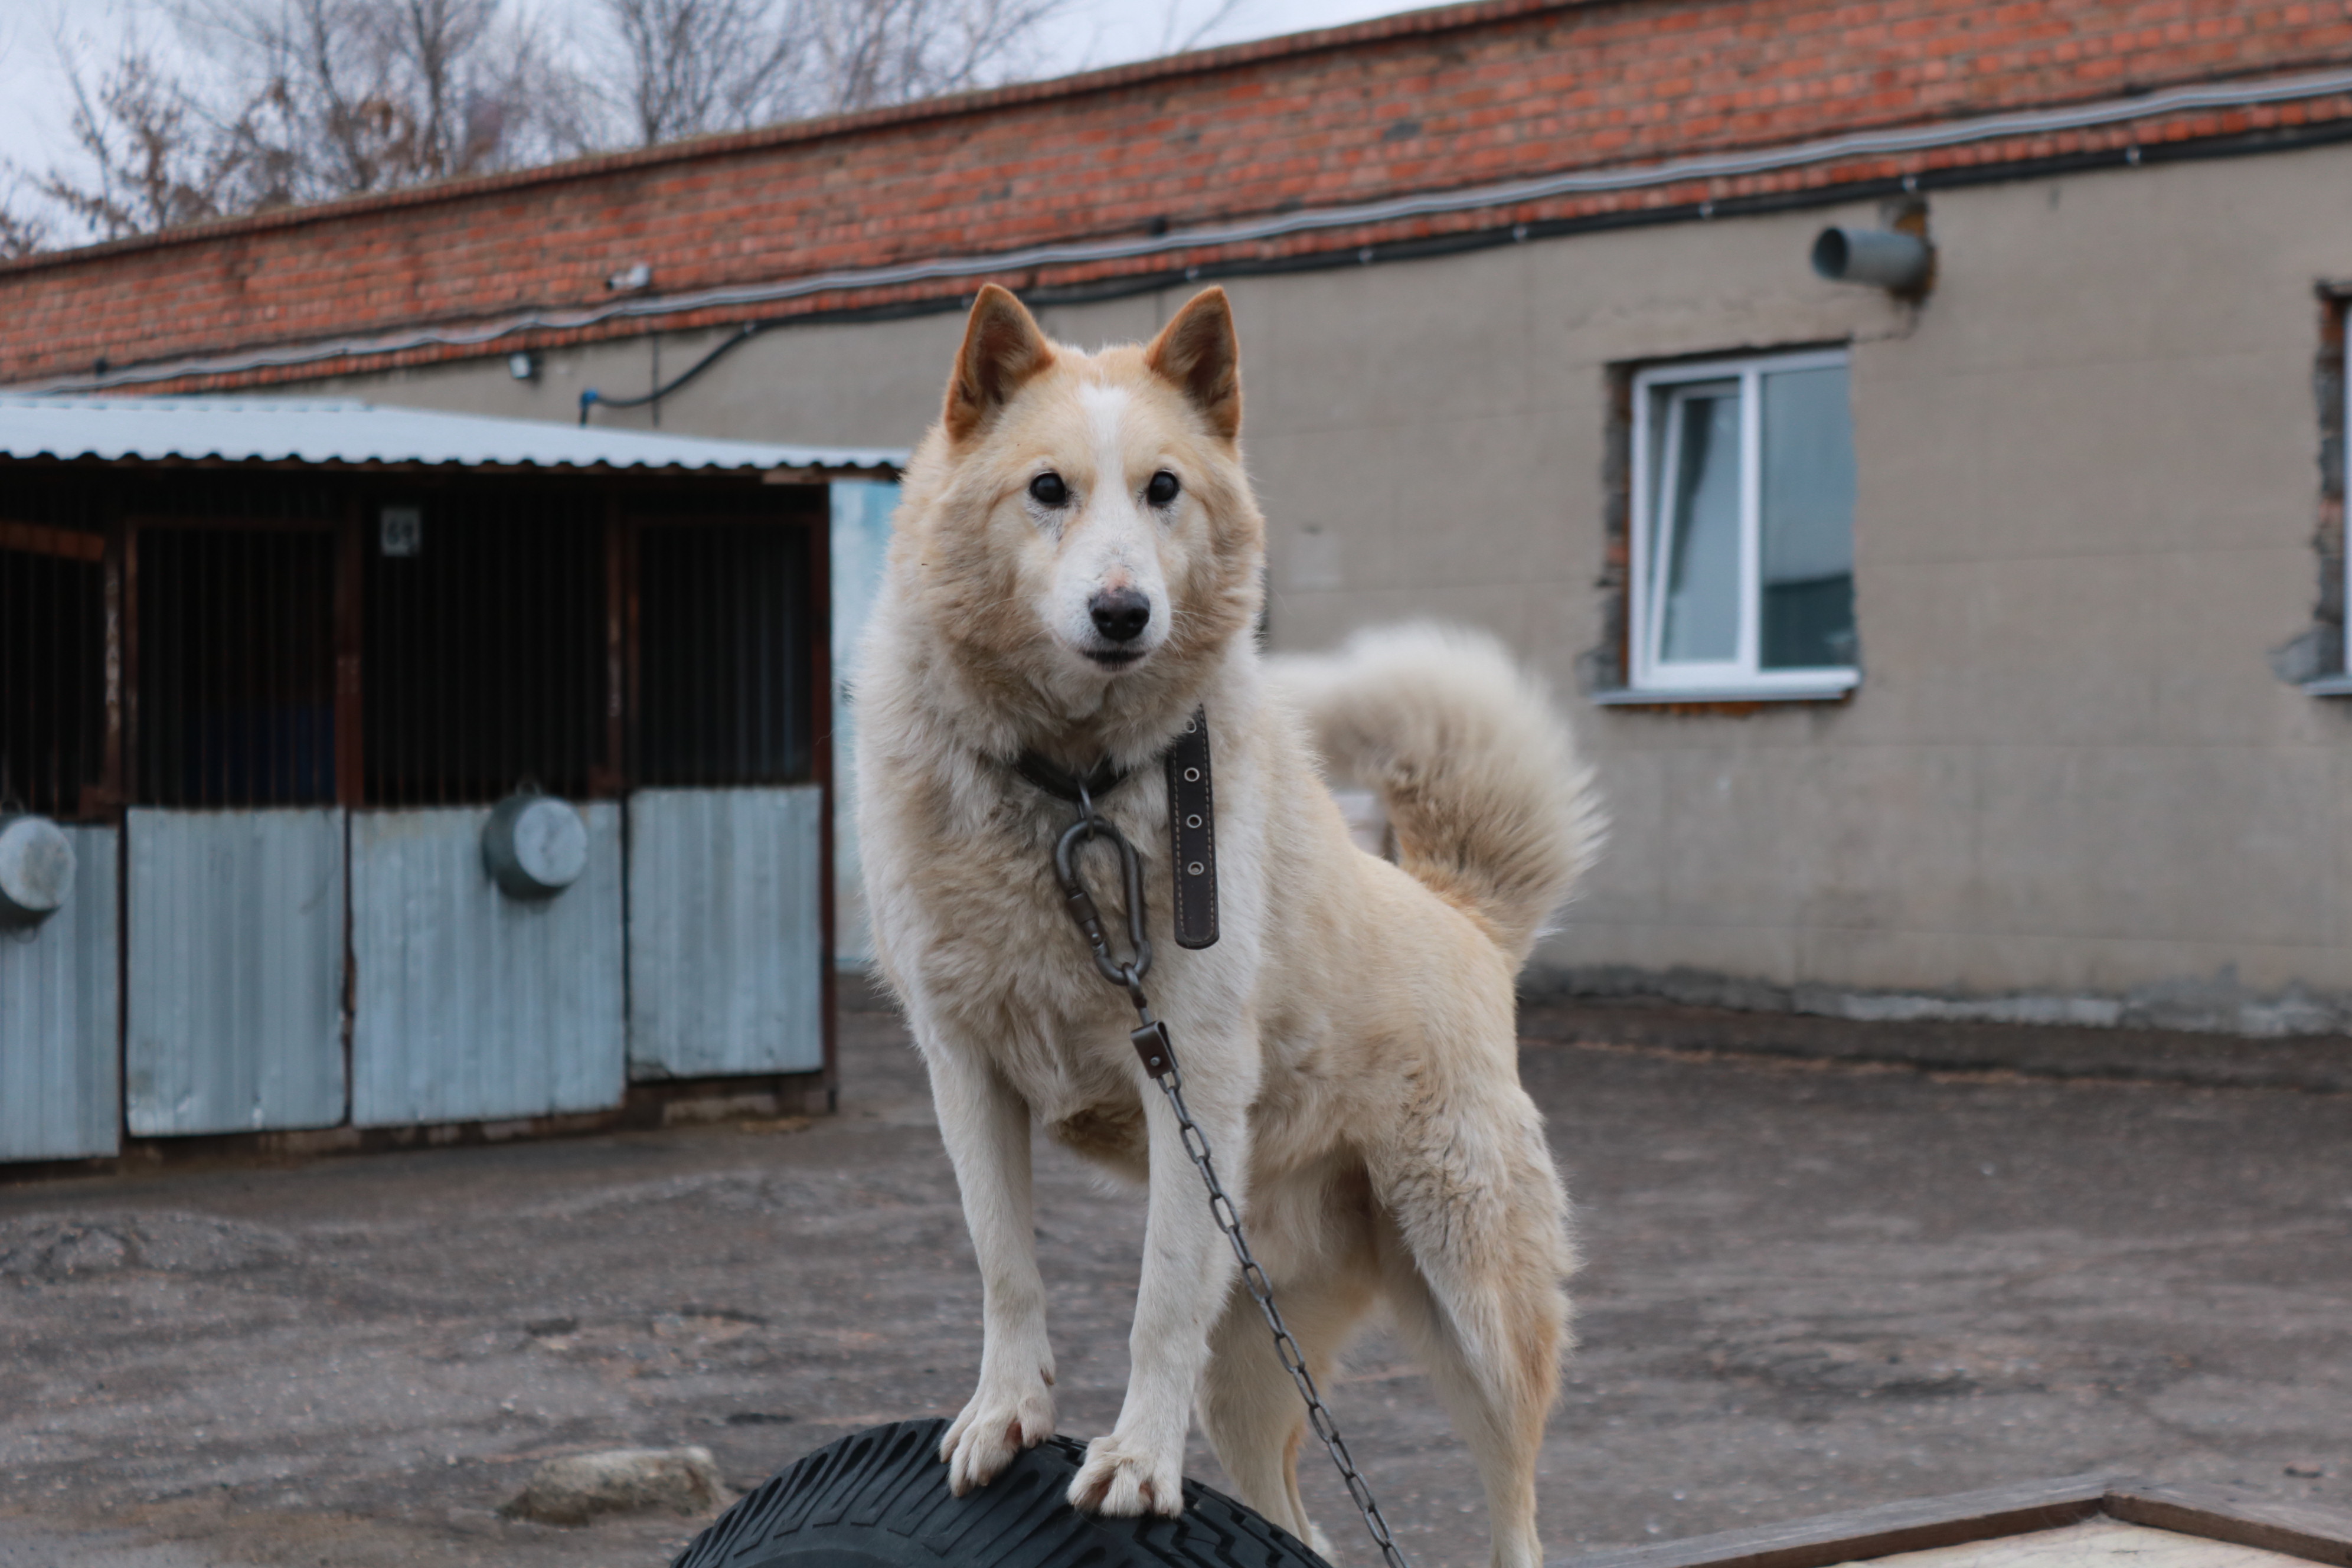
34 103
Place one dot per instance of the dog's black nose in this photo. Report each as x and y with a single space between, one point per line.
1120 614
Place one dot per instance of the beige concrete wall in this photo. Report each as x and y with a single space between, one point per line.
2070 784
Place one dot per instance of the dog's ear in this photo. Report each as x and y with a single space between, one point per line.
1002 349
1199 352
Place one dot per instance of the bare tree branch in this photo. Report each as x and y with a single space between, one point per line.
349 96
692 66
890 52
149 164
21 234
1173 42
275 102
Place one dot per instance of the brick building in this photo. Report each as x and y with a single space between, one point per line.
1965 649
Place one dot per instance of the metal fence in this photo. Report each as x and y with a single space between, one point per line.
279 709
52 667
236 660
485 663
725 667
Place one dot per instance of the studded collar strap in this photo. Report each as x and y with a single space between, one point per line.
1192 833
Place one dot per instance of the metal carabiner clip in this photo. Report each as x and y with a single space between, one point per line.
1081 903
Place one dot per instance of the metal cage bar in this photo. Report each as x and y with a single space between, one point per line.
52 667
723 654
484 638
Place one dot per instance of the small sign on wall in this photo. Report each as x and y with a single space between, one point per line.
404 532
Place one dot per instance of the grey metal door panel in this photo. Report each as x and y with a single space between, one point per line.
473 1004
236 969
860 543
726 949
60 1096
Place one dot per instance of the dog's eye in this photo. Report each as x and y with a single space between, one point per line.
1163 489
1047 489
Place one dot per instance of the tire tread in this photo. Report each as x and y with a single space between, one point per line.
886 1482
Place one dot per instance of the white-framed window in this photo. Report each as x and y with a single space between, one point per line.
1743 528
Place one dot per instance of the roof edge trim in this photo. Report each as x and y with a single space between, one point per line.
319 433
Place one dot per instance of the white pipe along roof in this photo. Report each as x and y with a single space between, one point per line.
343 432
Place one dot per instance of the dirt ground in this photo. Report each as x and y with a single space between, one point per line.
1810 1285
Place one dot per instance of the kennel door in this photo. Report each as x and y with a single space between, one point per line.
485 677
473 1004
59 978
234 1001
726 833
60 1094
726 954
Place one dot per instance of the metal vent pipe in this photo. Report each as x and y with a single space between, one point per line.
1881 258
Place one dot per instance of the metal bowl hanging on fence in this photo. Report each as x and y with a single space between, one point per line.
534 845
37 869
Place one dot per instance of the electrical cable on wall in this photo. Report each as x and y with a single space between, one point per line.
591 397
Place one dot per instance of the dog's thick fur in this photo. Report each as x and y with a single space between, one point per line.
1348 1045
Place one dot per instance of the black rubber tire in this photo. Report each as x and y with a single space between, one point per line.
879 1498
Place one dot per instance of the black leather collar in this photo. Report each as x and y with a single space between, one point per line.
1192 819
1063 784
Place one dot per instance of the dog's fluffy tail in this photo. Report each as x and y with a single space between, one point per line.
1492 809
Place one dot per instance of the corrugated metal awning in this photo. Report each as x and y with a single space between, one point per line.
350 434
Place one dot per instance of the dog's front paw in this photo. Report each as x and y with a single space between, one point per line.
1121 1480
994 1428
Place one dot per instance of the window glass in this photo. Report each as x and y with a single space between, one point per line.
1744 526
1807 520
1699 611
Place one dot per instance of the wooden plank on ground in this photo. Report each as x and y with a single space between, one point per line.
2099 1541
1880 1532
2218 1513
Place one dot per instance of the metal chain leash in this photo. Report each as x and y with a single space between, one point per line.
1151 1042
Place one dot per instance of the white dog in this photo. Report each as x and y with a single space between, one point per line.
1076 570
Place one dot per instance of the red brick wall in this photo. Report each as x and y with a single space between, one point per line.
1425 101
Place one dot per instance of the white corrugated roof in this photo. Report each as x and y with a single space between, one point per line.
319 430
